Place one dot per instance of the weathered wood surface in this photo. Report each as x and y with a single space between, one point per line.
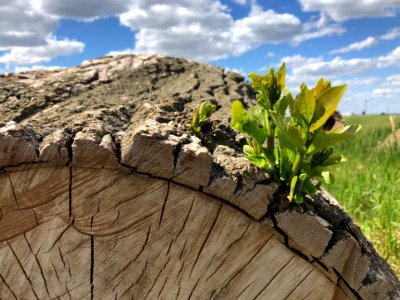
103 201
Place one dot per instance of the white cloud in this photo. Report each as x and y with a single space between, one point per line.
270 54
328 31
358 81
382 94
235 70
390 88
368 42
316 29
36 67
204 30
390 60
341 10
188 29
392 34
41 54
22 24
266 27
240 2
86 10
298 60
120 52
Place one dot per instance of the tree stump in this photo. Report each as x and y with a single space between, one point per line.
106 195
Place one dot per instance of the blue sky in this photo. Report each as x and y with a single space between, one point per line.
353 42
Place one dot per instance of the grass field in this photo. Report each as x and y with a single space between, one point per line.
368 184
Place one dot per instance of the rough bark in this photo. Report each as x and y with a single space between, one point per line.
106 195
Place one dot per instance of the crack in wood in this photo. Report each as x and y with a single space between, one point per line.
58 239
156 279
245 289
13 191
238 239
162 287
38 264
137 280
194 287
219 266
61 256
136 258
183 226
23 270
308 294
91 267
273 277
246 264
8 287
70 193
183 249
55 271
206 239
298 284
164 203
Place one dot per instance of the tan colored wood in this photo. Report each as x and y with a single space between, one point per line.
296 226
137 236
50 261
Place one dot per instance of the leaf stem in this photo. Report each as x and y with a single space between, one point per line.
297 163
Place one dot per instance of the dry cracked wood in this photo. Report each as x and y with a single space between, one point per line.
111 202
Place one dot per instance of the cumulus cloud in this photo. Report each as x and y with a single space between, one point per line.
204 30
86 10
335 67
310 69
181 29
36 67
392 34
120 52
358 81
314 29
41 54
241 2
23 24
368 42
265 27
341 10
389 88
390 60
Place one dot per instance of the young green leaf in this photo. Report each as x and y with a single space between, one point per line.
258 160
324 139
304 105
282 104
293 183
280 75
248 150
201 116
239 115
329 100
292 133
242 121
328 177
332 160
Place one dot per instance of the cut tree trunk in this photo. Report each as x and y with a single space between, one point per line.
105 195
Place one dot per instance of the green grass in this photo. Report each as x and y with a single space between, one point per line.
368 184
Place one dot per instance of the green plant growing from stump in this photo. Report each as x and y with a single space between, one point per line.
201 117
294 150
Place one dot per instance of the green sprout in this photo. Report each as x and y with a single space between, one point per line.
294 150
201 117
